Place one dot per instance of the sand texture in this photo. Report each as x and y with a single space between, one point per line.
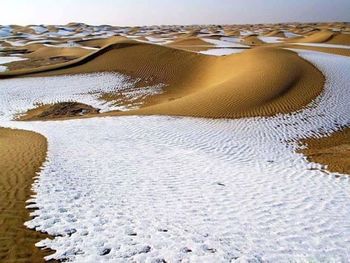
207 86
243 159
333 151
22 154
207 198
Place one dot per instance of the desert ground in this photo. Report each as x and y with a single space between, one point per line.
215 143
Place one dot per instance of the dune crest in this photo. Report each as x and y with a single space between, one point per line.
323 36
259 82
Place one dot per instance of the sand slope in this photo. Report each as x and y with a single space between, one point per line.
323 36
100 42
275 33
280 200
22 154
330 50
262 81
189 41
252 40
333 151
49 52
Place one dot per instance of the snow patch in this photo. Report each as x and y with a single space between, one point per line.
5 60
222 51
271 39
323 45
222 44
19 95
148 189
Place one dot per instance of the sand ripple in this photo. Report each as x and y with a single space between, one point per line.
166 188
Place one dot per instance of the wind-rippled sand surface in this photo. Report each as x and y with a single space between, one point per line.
161 188
22 154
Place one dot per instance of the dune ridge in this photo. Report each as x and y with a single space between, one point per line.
323 36
259 82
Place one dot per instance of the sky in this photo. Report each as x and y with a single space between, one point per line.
169 12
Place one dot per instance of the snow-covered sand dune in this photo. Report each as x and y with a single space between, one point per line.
163 188
19 95
5 60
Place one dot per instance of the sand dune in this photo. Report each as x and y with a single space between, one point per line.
48 52
232 33
275 33
259 82
323 36
206 86
252 40
100 42
330 50
234 87
189 41
22 154
340 39
332 151
39 55
238 159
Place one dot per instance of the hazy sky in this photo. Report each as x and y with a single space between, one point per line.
149 12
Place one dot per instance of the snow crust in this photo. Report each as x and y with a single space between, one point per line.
148 189
5 60
222 51
5 31
290 34
223 43
160 40
39 29
323 45
271 39
19 95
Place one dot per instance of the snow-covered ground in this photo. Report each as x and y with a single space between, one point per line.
160 40
290 34
19 95
39 29
5 60
224 43
271 39
323 45
148 189
5 31
222 51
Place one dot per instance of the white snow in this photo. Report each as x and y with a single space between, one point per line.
236 40
3 68
290 34
222 44
271 39
19 95
39 29
19 43
5 31
5 60
70 44
323 45
222 51
156 41
143 189
160 41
